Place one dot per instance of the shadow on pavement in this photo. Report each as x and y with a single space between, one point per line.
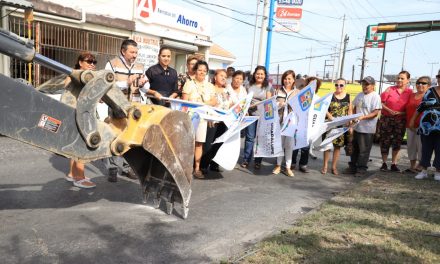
151 244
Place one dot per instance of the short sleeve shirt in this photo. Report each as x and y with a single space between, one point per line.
366 104
259 94
395 100
199 92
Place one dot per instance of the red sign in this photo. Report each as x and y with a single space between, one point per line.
375 44
289 12
146 7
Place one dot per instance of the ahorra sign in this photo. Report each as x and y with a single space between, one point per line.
162 13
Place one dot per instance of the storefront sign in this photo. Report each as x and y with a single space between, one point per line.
288 13
148 50
290 2
287 25
162 13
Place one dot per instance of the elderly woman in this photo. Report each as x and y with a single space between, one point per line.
429 130
201 91
215 129
284 94
261 89
340 105
236 90
393 119
414 143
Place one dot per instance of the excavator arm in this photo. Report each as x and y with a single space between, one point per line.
158 143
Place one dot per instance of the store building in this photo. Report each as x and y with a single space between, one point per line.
61 29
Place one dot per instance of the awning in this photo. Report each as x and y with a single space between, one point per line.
17 3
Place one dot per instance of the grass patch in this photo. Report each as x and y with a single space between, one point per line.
388 218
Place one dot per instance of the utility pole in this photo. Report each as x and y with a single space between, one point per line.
263 33
255 34
269 34
352 74
341 73
328 65
340 47
404 51
310 61
382 66
363 56
432 67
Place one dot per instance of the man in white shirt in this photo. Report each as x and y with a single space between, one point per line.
369 104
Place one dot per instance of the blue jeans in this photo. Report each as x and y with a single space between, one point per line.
251 132
304 159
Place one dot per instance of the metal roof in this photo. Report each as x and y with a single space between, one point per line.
17 3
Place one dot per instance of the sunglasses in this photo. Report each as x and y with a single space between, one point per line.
339 85
421 83
91 62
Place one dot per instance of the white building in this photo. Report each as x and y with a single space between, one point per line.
61 29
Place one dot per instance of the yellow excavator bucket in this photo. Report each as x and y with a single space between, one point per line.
158 144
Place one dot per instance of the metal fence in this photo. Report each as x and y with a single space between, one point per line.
59 43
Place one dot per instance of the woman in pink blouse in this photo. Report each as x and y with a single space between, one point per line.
393 119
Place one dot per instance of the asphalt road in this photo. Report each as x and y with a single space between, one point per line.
44 219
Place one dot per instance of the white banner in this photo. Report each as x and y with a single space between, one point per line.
268 139
317 116
296 125
228 154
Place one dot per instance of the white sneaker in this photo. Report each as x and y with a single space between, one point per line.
422 175
437 176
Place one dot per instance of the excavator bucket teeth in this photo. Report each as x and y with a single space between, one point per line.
164 163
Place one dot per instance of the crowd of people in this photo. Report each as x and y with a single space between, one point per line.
400 110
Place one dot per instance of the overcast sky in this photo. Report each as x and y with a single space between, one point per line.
320 34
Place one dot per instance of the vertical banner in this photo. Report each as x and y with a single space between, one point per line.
297 122
268 139
317 116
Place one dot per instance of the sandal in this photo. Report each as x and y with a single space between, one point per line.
276 170
289 172
198 175
335 171
323 170
84 183
244 164
69 178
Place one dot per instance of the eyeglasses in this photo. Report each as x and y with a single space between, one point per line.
91 61
421 83
339 85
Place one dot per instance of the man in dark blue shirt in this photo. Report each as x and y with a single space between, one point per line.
162 78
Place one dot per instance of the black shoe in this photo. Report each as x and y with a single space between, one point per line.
215 168
349 170
304 169
394 168
360 173
384 167
112 175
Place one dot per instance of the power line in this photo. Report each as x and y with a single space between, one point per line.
348 50
302 36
